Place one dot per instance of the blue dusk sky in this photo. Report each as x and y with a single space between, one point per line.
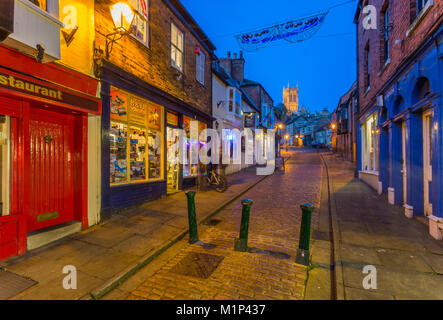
324 67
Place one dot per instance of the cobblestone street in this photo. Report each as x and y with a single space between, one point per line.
268 271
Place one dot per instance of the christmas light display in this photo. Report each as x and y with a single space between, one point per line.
292 31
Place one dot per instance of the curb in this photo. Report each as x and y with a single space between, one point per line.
338 263
121 277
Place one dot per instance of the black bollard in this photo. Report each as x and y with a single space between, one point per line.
305 235
192 217
241 244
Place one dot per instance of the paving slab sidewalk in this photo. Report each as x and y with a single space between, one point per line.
369 231
107 254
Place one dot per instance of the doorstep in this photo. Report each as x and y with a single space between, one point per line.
45 236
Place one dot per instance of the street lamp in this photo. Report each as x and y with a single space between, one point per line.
287 137
122 17
333 126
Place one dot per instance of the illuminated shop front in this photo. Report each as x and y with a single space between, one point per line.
140 125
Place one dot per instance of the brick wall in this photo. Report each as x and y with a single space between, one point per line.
402 15
153 64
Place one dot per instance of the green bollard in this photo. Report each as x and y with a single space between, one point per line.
241 244
305 235
192 217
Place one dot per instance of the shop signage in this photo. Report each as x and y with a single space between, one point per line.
53 93
249 120
119 105
137 111
172 119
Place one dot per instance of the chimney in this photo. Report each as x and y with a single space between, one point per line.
238 67
229 54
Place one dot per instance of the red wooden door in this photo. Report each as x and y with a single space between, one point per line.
52 166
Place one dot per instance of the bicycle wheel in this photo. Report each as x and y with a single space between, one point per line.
222 185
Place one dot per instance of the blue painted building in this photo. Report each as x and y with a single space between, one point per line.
400 132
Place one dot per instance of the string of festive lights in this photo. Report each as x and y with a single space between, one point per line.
292 31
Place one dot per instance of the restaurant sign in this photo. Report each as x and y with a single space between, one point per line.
51 92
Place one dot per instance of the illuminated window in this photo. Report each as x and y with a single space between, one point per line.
370 147
177 47
140 25
136 139
4 164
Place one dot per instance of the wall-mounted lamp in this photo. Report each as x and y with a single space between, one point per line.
333 126
123 17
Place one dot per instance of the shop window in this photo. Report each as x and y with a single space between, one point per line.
137 153
370 148
143 161
4 165
189 169
177 47
119 158
140 25
155 152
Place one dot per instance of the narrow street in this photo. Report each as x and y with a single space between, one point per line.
268 271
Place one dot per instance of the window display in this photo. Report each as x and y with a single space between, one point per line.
4 165
188 169
155 151
138 154
118 156
142 120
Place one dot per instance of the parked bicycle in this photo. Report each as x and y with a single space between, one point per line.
219 182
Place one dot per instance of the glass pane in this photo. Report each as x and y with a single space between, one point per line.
138 154
154 153
179 60
180 40
4 164
174 35
118 153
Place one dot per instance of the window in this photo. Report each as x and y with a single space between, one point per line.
200 61
234 101
40 3
190 170
135 139
386 33
177 47
237 103
139 28
367 67
4 164
231 99
370 147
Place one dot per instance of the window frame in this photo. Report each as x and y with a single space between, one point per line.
200 66
139 15
172 45
146 128
386 33
369 134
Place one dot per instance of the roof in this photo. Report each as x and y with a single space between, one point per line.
345 98
251 83
181 12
